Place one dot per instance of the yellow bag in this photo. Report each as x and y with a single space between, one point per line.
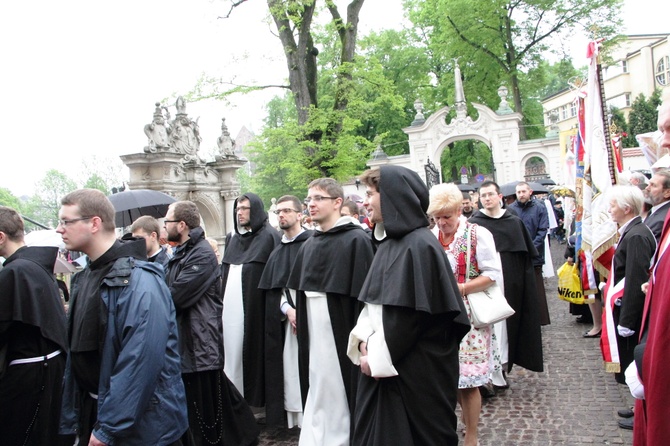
569 284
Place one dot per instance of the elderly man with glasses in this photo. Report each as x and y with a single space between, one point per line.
247 250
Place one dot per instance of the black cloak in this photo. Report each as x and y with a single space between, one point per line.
32 324
334 262
516 250
252 250
424 320
274 279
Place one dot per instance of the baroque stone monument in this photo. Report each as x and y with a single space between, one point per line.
171 163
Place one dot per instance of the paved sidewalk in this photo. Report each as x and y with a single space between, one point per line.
573 402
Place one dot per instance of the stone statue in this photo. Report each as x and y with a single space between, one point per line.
185 133
225 143
157 132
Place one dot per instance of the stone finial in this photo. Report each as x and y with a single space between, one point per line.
225 143
379 153
459 103
503 108
419 118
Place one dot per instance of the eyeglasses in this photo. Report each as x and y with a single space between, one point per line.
171 221
66 223
284 211
318 199
242 208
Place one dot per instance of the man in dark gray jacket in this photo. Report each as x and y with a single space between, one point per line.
217 413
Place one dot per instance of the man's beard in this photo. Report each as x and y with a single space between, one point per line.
173 237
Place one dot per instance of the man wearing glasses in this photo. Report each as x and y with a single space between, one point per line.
283 405
215 409
246 251
328 273
122 377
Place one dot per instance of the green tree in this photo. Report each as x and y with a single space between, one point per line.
7 198
43 207
95 181
643 116
511 35
474 155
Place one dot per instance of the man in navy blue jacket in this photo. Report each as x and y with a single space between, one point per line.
122 381
535 218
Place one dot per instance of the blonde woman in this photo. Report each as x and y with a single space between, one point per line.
478 357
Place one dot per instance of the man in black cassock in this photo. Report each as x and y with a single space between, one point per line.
407 336
33 338
328 273
516 250
247 249
283 402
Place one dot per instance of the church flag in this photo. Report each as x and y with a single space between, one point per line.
598 231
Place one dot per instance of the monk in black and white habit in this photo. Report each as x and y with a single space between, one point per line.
328 273
407 337
283 401
246 252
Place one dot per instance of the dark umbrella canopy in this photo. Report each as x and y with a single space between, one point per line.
466 188
546 182
510 188
132 204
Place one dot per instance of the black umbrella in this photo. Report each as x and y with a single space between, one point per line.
466 188
510 188
546 182
131 204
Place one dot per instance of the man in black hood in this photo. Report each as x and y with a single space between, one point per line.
407 336
246 252
33 338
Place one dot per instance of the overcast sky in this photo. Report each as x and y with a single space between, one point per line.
80 78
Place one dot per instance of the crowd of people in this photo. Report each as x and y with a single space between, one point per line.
357 330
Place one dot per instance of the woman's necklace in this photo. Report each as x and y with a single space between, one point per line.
445 243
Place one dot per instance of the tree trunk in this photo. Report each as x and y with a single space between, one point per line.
300 55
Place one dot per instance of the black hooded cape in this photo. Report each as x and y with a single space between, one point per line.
32 324
424 321
516 250
252 250
274 279
334 262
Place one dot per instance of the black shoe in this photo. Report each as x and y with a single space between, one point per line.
487 391
625 413
626 423
594 335
584 320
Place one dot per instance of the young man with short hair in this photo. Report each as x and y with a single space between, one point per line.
123 378
328 273
283 399
516 249
149 229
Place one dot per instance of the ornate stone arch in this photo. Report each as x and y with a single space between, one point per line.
428 139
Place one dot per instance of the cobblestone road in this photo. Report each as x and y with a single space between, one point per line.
573 402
